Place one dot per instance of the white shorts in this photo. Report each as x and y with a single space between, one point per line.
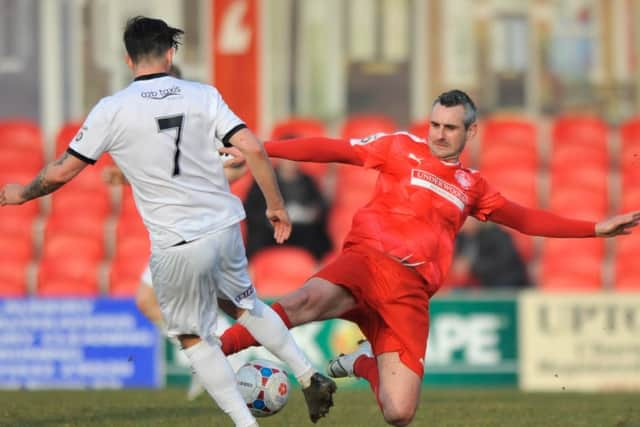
189 278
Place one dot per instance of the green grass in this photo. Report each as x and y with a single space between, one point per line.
354 408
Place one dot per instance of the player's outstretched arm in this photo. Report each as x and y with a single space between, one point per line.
618 225
537 222
316 149
51 177
265 177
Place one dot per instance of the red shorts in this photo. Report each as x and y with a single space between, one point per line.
392 302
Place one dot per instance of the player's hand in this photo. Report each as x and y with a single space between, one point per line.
618 225
233 158
279 219
112 175
11 194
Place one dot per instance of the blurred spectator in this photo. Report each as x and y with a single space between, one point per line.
307 208
486 257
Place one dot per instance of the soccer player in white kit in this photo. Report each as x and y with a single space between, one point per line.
234 168
160 131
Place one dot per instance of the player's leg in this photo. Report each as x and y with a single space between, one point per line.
266 326
147 303
146 299
399 389
185 289
318 299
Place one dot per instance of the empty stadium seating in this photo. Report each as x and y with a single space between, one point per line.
278 270
22 146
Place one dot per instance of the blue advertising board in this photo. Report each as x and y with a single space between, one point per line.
77 343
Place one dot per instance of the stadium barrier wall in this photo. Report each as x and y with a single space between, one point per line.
472 342
579 342
77 343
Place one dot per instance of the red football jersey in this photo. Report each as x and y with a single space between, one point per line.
419 203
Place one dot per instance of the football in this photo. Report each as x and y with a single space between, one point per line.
264 386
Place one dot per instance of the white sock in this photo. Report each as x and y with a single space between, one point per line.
270 331
218 379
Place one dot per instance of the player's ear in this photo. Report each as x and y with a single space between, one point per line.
128 61
169 55
472 130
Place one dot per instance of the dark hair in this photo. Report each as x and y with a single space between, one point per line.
457 97
148 37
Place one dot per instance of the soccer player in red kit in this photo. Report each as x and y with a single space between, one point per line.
401 244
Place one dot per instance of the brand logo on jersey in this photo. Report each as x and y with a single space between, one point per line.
415 158
244 294
463 179
368 139
80 133
442 188
162 93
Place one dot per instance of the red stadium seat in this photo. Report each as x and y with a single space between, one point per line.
68 276
130 226
21 135
508 156
630 199
583 130
72 246
584 177
627 274
565 248
628 246
508 142
574 273
16 248
83 226
65 135
580 203
509 130
568 154
519 185
360 126
13 278
16 252
278 270
630 144
124 276
75 204
18 220
22 148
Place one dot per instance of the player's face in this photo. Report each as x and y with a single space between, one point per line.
447 134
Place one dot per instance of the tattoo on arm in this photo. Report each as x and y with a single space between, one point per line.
39 186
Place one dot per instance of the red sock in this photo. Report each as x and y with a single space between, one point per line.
237 337
367 367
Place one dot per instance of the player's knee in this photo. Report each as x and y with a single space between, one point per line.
398 413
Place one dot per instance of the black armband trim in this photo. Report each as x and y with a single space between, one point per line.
85 159
232 132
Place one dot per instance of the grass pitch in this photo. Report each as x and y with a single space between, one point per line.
354 408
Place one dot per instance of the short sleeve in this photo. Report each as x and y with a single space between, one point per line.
94 136
374 149
488 200
226 122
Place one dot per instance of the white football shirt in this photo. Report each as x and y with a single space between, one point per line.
162 132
